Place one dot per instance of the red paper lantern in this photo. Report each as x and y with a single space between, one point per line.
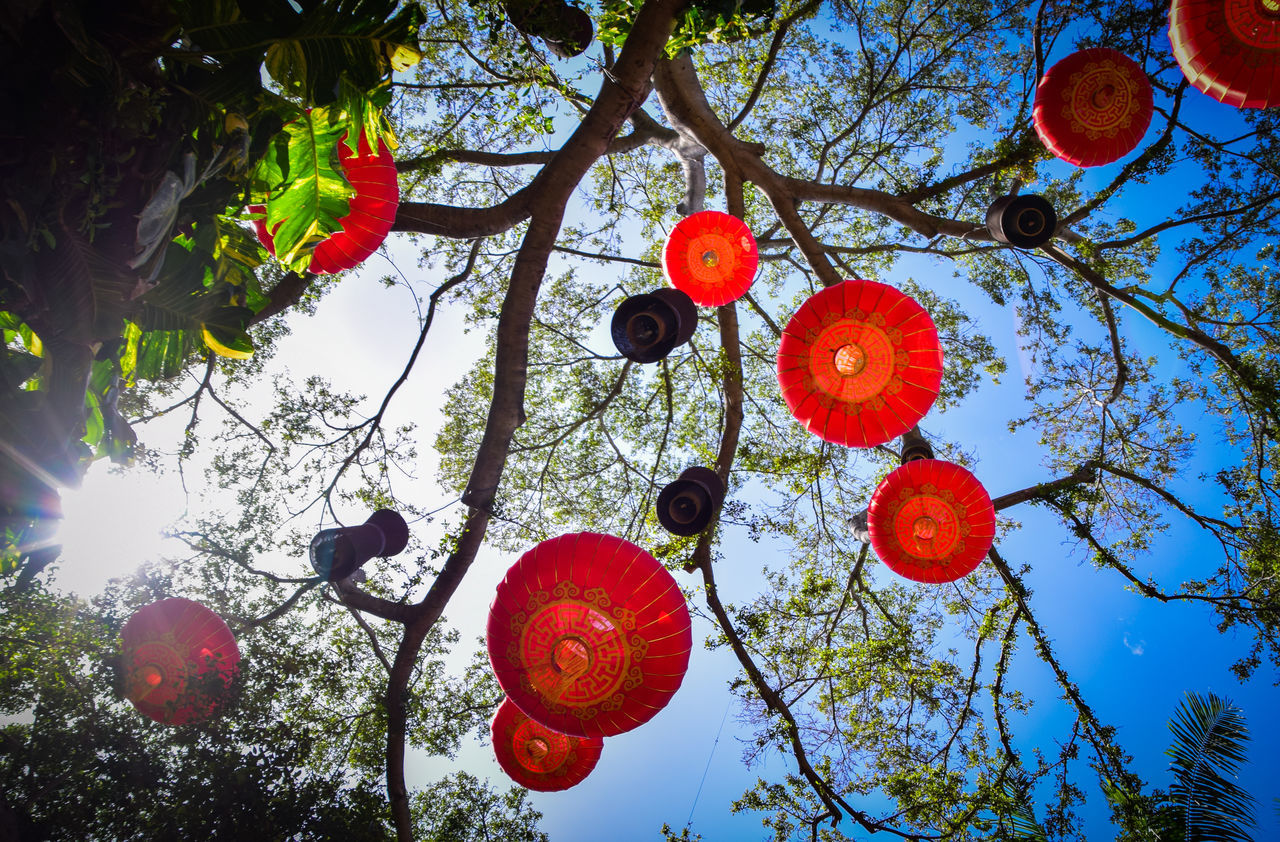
179 661
589 635
367 223
538 758
1093 107
931 521
1229 49
711 256
859 363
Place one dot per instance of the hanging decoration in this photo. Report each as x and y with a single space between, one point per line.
859 363
686 506
1024 220
711 256
1229 49
538 758
1093 107
931 521
179 661
337 553
645 328
372 210
589 635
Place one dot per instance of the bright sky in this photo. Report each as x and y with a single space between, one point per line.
1133 659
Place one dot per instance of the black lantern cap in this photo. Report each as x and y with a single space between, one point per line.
1025 220
337 553
647 327
685 506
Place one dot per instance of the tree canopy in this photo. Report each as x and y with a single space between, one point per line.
539 176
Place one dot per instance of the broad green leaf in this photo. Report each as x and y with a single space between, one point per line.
308 193
234 344
355 40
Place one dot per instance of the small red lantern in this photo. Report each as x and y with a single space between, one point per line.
1093 107
179 660
859 363
1229 49
711 256
931 521
538 758
589 635
372 210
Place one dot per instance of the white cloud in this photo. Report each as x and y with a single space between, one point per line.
1136 648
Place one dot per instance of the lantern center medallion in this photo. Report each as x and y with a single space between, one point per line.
850 360
1256 23
925 528
570 656
537 748
853 361
928 527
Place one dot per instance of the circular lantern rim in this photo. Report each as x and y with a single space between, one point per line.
176 626
712 229
946 489
580 754
1078 115
1208 40
589 635
887 384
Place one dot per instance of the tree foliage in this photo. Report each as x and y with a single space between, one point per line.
857 139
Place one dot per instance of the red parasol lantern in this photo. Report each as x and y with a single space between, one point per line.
589 635
1093 107
538 758
859 363
711 256
179 660
372 210
931 521
1229 49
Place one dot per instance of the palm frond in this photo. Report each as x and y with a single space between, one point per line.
1210 738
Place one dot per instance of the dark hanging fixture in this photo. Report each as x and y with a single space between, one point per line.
647 327
567 30
337 553
686 506
180 661
1093 107
1025 220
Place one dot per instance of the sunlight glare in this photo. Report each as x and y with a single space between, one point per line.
112 524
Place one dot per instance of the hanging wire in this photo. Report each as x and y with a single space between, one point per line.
696 795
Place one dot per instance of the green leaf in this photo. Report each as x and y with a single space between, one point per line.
307 191
1210 736
355 39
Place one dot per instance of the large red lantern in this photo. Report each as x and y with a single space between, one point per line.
1229 49
538 758
859 363
931 521
1093 107
589 635
711 256
372 210
179 661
